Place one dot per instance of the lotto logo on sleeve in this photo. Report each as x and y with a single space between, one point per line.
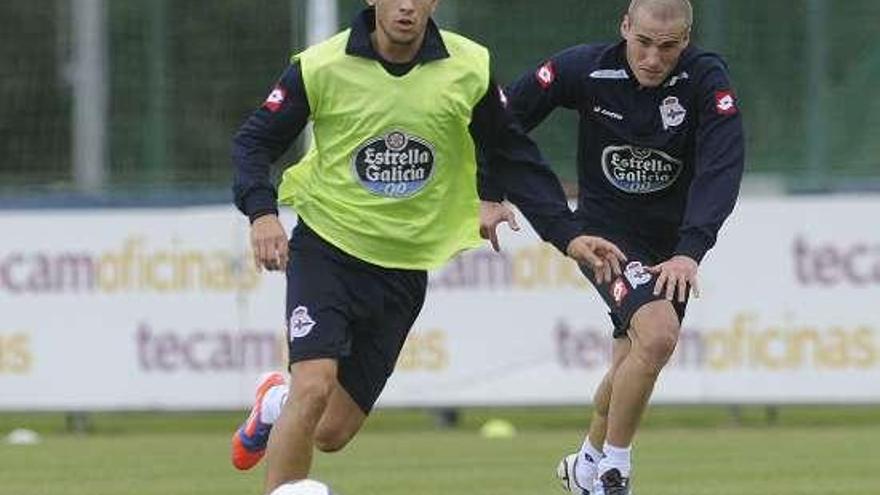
725 102
275 99
546 75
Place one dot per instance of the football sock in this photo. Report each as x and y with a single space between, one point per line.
591 452
616 458
273 401
585 472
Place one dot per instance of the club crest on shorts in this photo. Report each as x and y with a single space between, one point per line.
300 323
395 165
636 274
672 112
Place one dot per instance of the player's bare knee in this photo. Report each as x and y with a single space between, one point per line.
656 345
331 440
313 385
654 332
316 389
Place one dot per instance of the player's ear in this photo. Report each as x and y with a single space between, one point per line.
434 4
624 26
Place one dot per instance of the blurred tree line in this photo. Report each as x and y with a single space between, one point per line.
183 74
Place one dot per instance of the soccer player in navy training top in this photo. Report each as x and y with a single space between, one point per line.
660 159
387 191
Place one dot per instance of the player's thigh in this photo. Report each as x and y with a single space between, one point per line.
655 328
313 381
619 351
318 305
378 338
627 294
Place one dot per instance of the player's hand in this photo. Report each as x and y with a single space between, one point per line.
603 256
269 242
491 215
674 276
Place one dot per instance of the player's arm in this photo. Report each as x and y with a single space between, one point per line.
259 142
555 82
511 166
529 100
718 171
720 157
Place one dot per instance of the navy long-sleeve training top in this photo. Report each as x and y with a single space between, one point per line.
664 164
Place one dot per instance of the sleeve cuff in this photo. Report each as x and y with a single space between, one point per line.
693 247
563 234
260 202
261 213
487 189
491 194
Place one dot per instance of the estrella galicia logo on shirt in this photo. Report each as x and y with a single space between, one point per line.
639 170
396 165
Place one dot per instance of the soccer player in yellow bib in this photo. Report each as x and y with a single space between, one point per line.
387 191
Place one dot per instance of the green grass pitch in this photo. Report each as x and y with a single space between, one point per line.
692 451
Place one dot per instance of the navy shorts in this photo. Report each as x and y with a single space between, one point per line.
343 308
624 295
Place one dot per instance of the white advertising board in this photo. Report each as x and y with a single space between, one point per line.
134 309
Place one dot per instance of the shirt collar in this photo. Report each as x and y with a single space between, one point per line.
364 23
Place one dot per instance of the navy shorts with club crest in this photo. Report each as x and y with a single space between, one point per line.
625 294
343 308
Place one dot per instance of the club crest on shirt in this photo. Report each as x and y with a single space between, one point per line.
300 323
672 112
637 170
395 165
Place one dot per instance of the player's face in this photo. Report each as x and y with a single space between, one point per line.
653 46
403 21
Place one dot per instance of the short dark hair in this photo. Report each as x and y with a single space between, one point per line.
666 9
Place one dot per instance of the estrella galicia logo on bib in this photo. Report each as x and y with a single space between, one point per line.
639 170
396 165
